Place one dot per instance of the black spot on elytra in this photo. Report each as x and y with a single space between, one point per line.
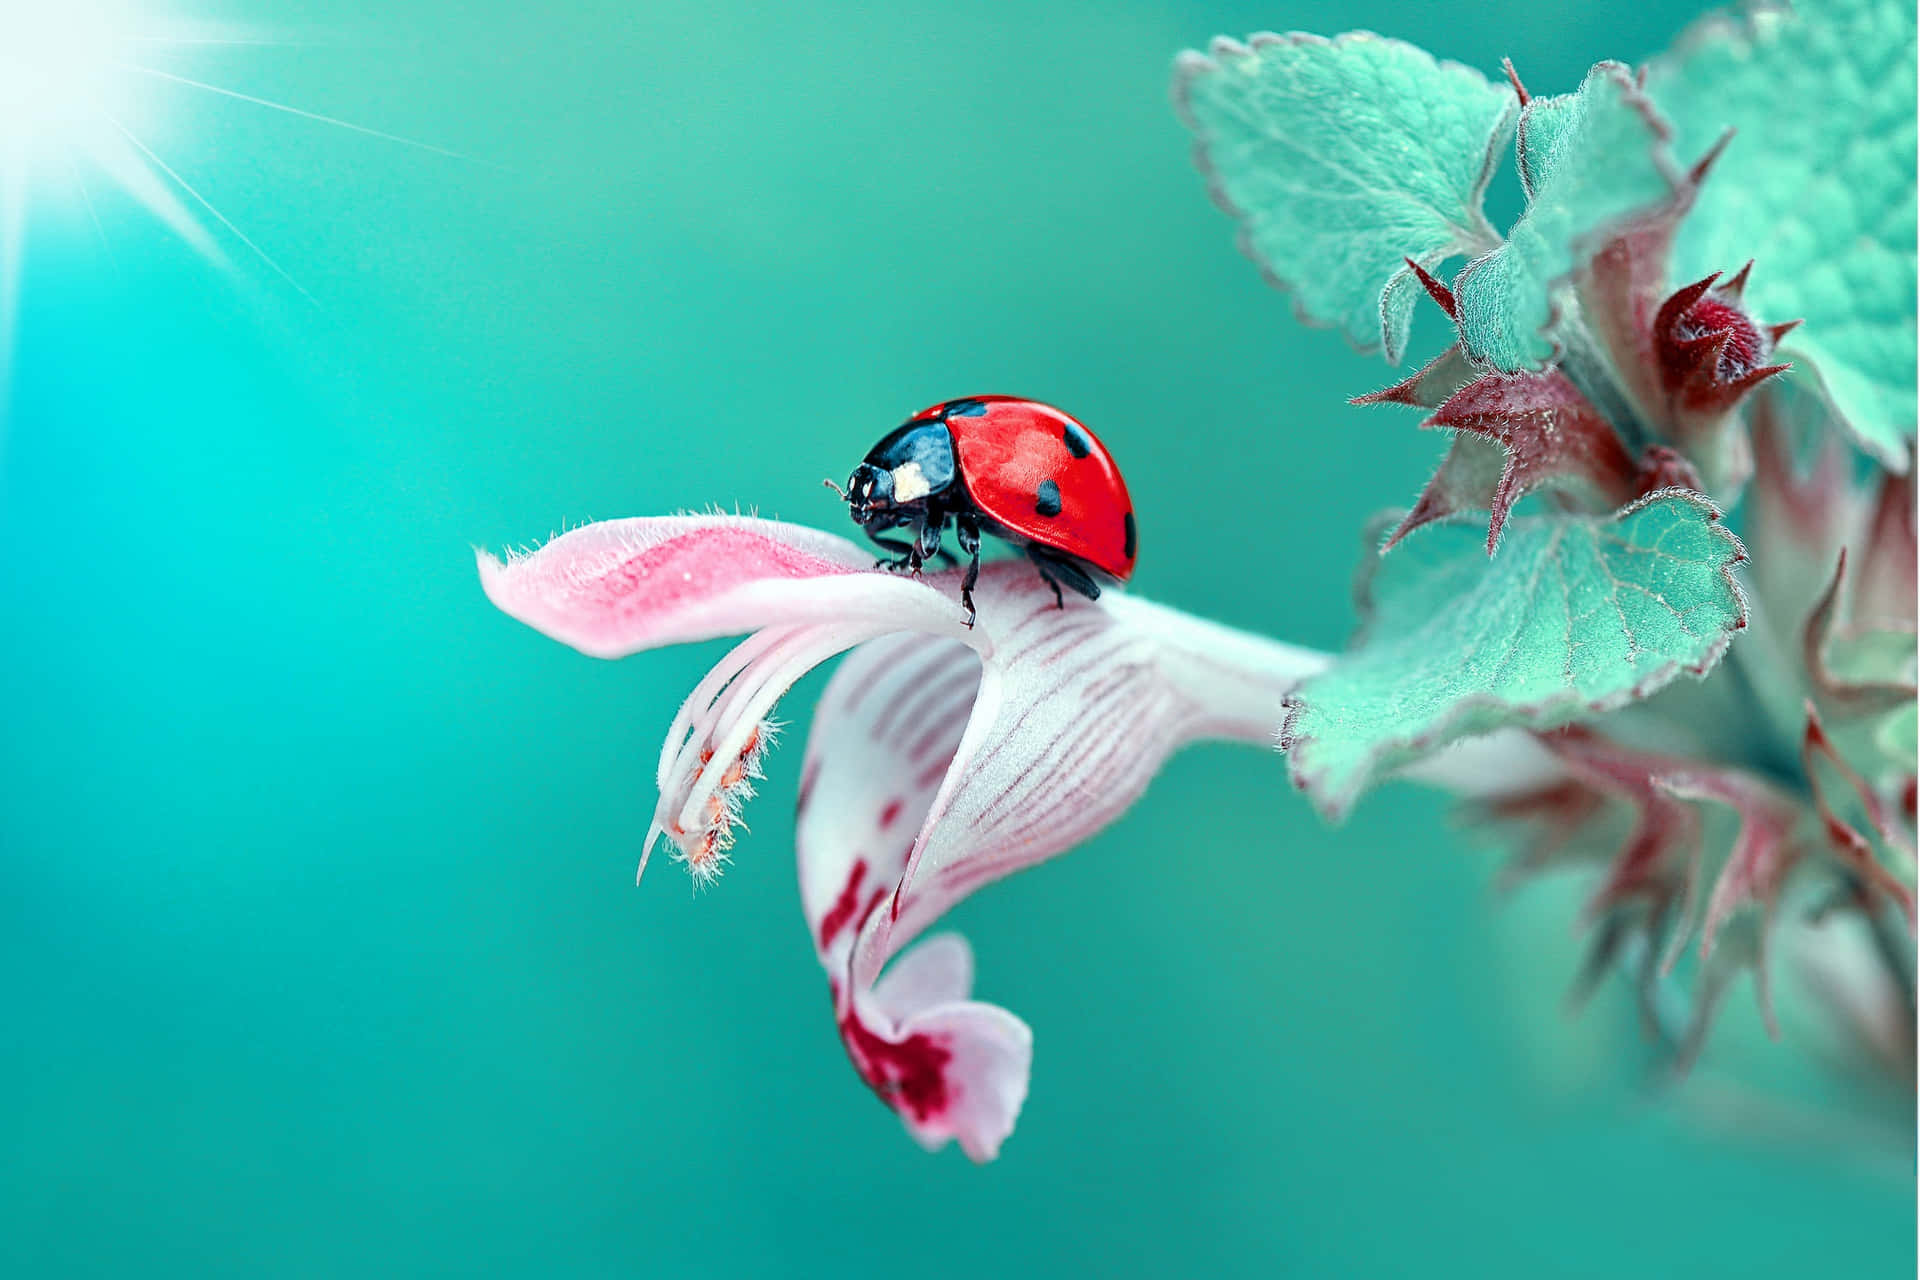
1046 500
1128 526
961 409
1077 443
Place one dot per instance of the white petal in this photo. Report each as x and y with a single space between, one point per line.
883 738
933 770
1077 710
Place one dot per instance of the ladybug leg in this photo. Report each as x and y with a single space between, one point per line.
969 535
1049 579
1057 571
926 543
902 553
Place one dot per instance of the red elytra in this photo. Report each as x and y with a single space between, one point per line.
1018 469
1011 452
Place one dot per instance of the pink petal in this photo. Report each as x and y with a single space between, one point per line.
937 972
620 586
953 1068
933 770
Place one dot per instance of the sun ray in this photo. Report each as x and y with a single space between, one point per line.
295 111
71 97
13 218
211 40
93 214
206 204
131 174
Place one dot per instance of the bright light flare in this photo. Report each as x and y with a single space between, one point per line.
73 126
57 63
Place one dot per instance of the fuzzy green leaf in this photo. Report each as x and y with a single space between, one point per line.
1817 187
1341 158
1588 160
1576 614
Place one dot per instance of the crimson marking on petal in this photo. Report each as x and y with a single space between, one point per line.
1041 615
896 706
963 879
1035 807
843 906
909 1076
925 698
906 653
1049 763
880 895
941 741
1065 634
891 813
1042 819
1012 732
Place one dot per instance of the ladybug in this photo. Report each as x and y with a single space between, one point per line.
1017 469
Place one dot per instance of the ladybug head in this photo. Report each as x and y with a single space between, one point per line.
869 494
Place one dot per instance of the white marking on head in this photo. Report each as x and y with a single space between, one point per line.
909 483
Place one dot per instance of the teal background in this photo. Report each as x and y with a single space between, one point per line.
321 945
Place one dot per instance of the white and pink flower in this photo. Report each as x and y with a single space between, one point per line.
941 758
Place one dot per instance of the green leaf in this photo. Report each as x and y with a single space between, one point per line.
1341 158
1589 160
1576 614
1817 187
1898 735
1871 658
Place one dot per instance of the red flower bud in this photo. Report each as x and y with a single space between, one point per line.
1711 351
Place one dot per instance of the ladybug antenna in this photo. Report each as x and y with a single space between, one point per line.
836 488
